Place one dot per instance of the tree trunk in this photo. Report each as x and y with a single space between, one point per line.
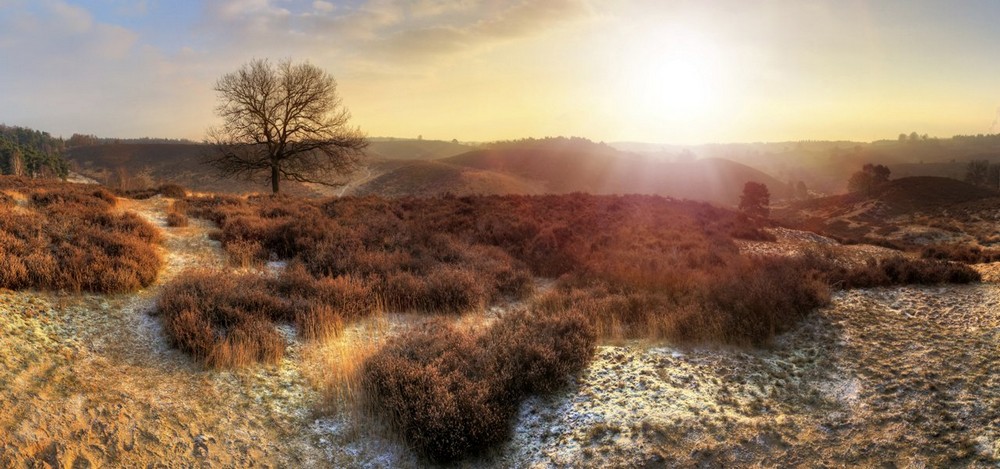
274 178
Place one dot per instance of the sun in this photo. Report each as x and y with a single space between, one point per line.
671 76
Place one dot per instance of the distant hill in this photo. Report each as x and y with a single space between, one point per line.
425 167
157 163
905 212
572 165
422 178
409 149
137 165
920 194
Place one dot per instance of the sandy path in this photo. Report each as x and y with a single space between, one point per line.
89 381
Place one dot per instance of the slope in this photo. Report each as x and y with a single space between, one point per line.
423 178
575 165
134 165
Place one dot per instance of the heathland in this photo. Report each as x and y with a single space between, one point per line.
474 305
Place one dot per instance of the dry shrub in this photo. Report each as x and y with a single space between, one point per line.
243 253
751 233
964 253
177 220
638 266
227 320
221 319
450 393
902 271
66 238
177 214
175 191
756 300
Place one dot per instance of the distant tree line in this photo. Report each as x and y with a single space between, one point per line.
86 140
33 153
912 137
546 141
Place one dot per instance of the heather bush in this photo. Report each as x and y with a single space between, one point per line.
176 220
175 191
758 299
177 214
67 238
228 320
899 270
636 266
964 253
451 393
221 319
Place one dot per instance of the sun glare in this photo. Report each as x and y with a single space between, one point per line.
670 76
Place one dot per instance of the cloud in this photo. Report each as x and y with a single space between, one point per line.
323 7
60 31
382 30
488 27
433 8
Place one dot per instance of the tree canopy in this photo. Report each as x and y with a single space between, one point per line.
755 199
29 152
283 121
868 178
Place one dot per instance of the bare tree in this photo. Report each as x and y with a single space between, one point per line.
283 121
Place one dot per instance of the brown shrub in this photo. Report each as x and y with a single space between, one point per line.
759 299
649 266
964 253
67 238
175 191
450 393
452 289
177 220
227 320
902 271
221 319
177 214
244 253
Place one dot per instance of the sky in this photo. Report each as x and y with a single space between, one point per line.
683 72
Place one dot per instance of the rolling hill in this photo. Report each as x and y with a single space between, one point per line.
901 213
904 196
572 165
416 167
157 163
423 178
410 149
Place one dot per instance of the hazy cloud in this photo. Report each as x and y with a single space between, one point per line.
486 28
323 7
